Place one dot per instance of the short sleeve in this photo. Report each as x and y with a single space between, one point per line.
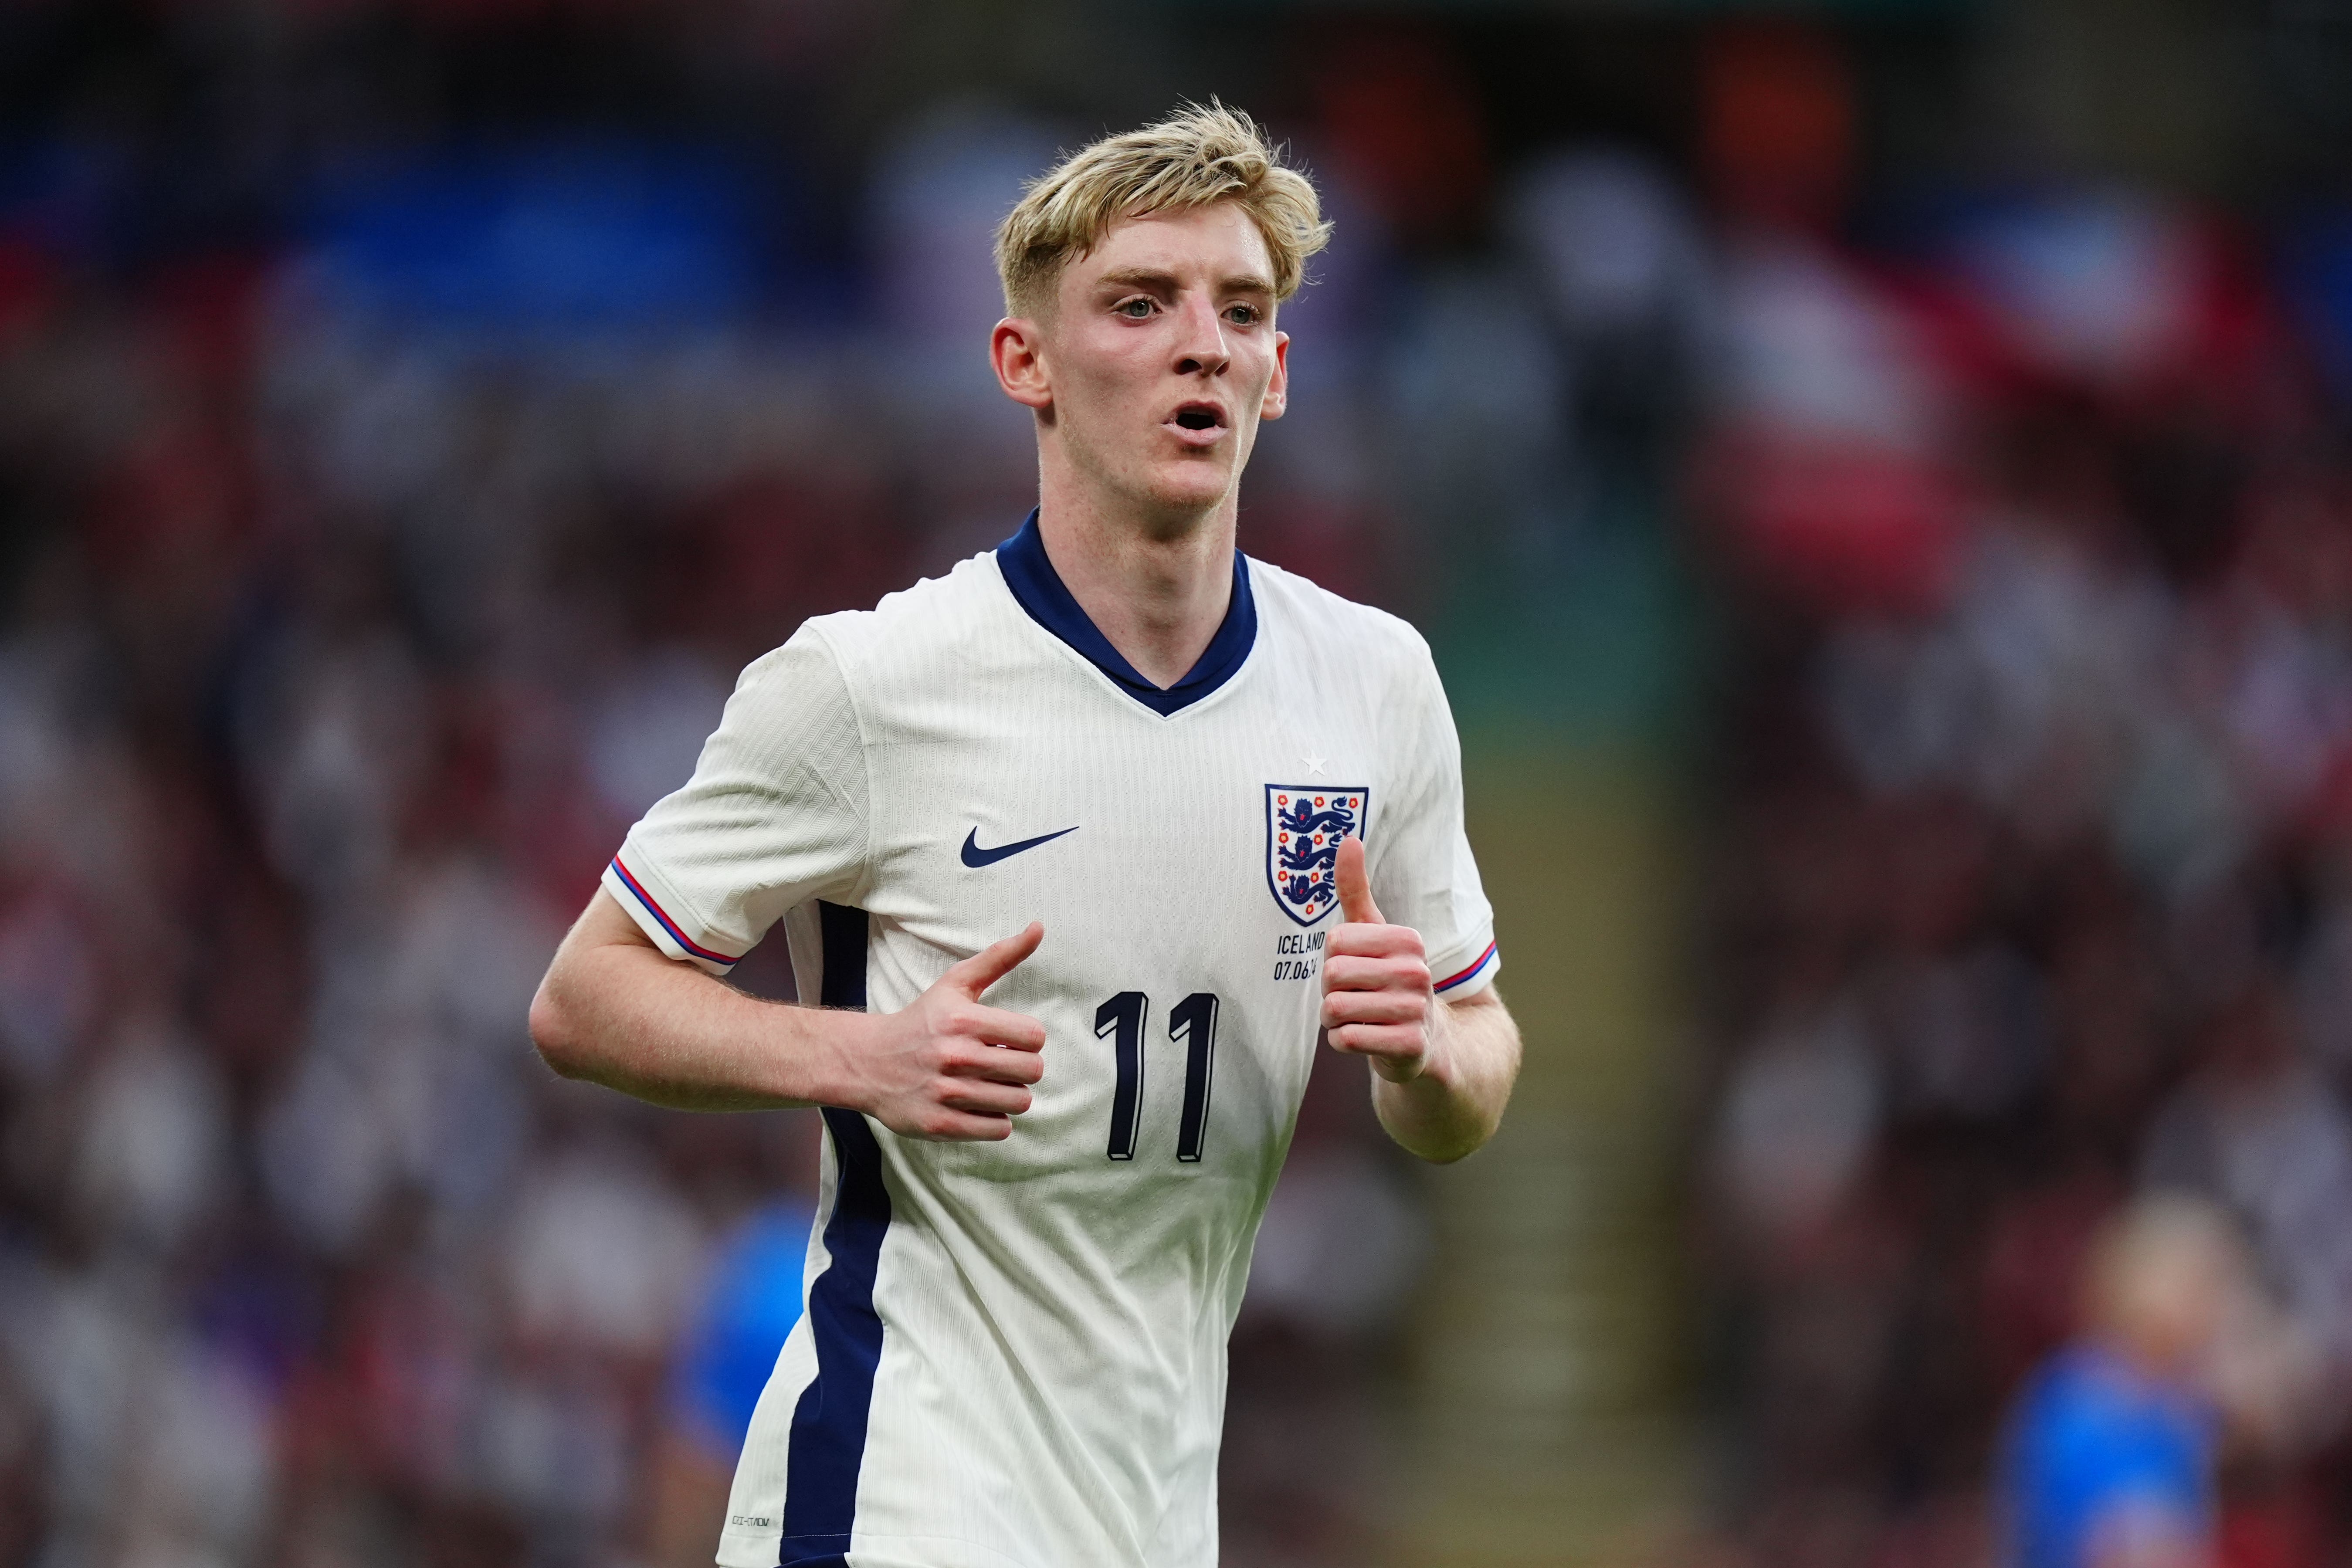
1423 872
775 814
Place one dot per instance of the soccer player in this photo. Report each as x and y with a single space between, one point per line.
1078 849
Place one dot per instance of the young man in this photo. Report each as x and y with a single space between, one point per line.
1049 1144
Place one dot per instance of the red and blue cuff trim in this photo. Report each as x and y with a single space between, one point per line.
1480 963
670 925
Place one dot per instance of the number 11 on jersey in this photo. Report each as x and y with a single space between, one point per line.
1192 1023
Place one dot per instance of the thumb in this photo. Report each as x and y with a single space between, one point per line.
1356 905
994 961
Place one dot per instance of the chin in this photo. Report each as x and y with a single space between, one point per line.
1187 488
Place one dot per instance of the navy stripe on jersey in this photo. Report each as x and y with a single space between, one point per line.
841 946
828 1435
1039 589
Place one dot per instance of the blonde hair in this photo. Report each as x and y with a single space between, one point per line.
2160 1273
1195 156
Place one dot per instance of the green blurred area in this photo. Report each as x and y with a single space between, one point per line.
1550 1422
1601 657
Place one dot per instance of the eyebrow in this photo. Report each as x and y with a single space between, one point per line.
1166 282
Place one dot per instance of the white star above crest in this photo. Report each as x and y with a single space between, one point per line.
1313 760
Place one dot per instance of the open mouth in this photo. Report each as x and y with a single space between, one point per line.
1200 416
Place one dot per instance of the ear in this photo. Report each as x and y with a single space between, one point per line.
1277 391
1016 351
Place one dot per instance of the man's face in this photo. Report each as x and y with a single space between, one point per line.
1162 357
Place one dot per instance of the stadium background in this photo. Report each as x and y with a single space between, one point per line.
1875 477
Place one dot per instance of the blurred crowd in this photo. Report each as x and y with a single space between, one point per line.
2032 890
382 522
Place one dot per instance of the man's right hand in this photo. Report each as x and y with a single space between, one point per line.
946 1066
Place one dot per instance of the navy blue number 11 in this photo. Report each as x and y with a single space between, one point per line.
1191 1022
1122 1016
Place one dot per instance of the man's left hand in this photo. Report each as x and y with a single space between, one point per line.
1377 1000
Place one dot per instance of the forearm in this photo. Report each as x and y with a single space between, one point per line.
1455 1103
614 1010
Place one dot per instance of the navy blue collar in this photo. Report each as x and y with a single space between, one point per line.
1039 589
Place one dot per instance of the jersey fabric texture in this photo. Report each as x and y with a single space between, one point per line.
1013 1354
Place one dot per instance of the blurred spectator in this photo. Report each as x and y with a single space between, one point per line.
2257 1128
752 1302
2110 1461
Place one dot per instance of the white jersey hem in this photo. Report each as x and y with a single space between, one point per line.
661 911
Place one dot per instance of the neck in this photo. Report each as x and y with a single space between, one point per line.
1157 587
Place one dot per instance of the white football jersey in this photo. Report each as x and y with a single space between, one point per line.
1013 1354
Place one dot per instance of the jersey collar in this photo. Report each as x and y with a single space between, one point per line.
1039 590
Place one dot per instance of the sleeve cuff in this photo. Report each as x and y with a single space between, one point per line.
1468 978
655 910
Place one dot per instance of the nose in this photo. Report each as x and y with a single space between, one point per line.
1200 347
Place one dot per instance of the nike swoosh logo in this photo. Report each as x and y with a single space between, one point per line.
975 857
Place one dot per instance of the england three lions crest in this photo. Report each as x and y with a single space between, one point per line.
1303 825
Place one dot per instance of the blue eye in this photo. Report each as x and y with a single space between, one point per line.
1135 310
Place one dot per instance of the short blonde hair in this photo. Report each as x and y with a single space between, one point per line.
1195 156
